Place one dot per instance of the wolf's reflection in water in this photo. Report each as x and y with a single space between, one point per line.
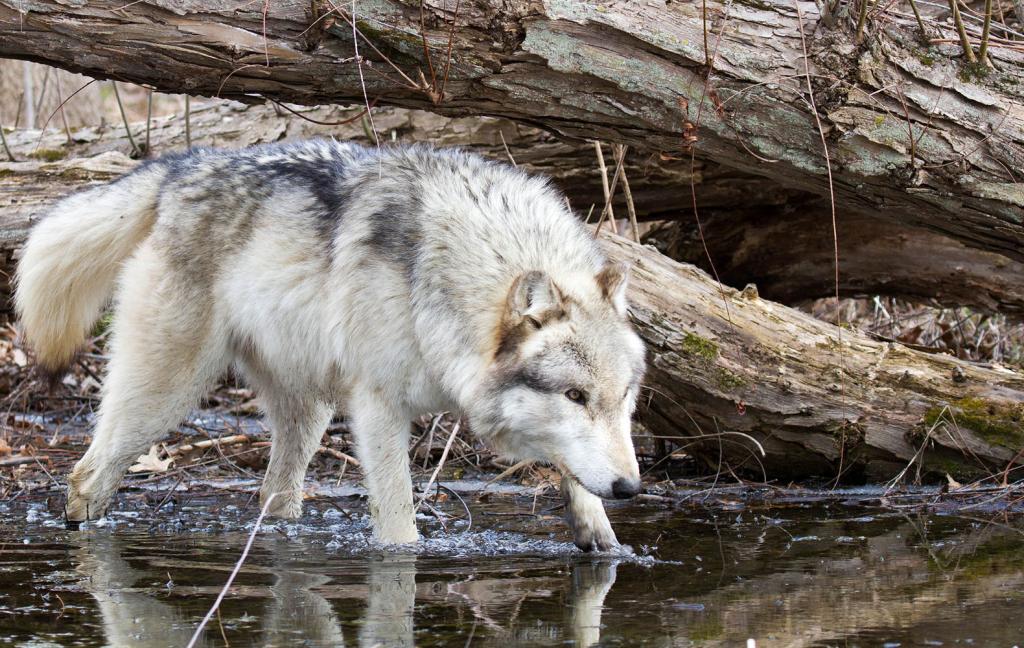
300 605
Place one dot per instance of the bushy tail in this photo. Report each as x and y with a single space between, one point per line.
72 258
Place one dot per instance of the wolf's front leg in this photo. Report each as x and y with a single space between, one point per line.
382 441
584 512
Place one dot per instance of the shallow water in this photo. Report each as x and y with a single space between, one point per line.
801 573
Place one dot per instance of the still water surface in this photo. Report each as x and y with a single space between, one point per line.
800 575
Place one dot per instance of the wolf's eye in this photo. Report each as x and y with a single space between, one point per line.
576 396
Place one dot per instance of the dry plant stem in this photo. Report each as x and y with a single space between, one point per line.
124 117
440 464
983 48
604 180
339 455
149 117
917 15
606 212
234 572
835 233
188 124
3 140
861 20
959 22
63 116
630 207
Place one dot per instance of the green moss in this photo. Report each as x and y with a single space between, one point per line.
695 345
48 155
925 56
997 422
5 173
728 380
972 72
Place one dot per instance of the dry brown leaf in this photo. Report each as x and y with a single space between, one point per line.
151 462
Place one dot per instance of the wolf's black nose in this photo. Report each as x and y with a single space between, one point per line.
625 488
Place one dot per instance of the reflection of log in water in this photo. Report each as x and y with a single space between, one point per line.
894 580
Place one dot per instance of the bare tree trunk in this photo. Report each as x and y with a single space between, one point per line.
726 368
914 136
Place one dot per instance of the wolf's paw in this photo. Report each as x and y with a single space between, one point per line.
396 534
80 508
287 506
599 538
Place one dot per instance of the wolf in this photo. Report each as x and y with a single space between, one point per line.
380 282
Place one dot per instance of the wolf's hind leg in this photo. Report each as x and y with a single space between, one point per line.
382 440
297 425
164 356
586 516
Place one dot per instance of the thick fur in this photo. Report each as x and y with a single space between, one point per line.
383 283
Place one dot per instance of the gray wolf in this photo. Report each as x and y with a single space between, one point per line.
384 283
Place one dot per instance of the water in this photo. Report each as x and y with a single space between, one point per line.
805 573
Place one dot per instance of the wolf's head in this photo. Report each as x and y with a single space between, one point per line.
565 379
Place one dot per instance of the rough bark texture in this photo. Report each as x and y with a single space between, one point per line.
914 136
49 166
722 363
788 253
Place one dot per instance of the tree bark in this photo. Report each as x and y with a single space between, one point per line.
914 136
726 367
788 253
722 364
50 167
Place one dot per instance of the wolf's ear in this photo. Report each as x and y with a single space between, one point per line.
612 280
534 298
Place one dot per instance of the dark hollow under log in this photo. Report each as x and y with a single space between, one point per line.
788 253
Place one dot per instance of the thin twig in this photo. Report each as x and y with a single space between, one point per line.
3 140
188 123
630 207
605 185
861 20
60 101
983 48
234 572
149 117
959 22
507 152
127 126
364 111
920 23
607 211
832 205
440 463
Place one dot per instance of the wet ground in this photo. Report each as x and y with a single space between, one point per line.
792 571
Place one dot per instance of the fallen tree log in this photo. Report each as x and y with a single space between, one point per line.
914 135
49 166
783 244
787 252
727 368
